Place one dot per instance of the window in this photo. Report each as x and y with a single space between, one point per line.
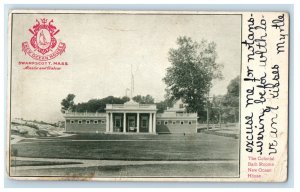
181 105
158 122
102 122
181 122
79 121
166 122
72 121
95 121
87 122
174 122
190 122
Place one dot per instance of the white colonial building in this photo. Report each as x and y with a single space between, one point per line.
133 117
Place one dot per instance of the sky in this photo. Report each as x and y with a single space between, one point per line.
100 50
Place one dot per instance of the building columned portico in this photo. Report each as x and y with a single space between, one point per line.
131 117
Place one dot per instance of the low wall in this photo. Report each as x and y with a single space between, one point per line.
85 128
170 127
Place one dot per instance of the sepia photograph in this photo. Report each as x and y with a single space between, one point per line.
125 95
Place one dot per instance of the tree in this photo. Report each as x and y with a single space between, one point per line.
98 105
163 105
67 103
125 99
215 108
148 99
231 100
193 67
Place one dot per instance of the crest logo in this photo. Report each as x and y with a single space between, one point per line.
43 42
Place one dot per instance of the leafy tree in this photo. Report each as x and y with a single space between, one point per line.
148 99
193 67
233 93
231 100
67 103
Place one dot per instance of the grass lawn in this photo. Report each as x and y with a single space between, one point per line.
132 147
160 148
17 163
148 170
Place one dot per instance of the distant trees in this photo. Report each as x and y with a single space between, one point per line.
163 105
215 108
93 105
193 67
226 105
98 105
148 99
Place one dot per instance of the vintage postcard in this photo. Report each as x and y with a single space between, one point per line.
148 95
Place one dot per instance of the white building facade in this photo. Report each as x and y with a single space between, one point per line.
133 117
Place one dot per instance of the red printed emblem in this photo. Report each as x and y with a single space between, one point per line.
43 44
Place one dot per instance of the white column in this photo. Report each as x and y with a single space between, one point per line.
150 122
138 123
124 123
154 122
111 123
107 123
66 125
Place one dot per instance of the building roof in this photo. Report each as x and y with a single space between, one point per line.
177 111
130 106
83 115
131 102
177 115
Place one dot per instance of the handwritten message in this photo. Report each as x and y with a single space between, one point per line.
262 90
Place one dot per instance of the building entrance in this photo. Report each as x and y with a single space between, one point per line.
131 124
